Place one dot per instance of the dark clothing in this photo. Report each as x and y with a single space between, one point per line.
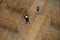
27 19
38 8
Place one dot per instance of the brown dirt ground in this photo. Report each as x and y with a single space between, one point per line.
43 26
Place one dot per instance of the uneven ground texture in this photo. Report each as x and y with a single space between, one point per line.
44 25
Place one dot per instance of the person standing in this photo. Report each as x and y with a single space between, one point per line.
27 19
38 9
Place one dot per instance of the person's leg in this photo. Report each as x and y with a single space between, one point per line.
27 21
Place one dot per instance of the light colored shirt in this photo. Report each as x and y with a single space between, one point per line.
26 16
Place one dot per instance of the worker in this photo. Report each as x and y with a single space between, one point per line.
27 19
38 9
